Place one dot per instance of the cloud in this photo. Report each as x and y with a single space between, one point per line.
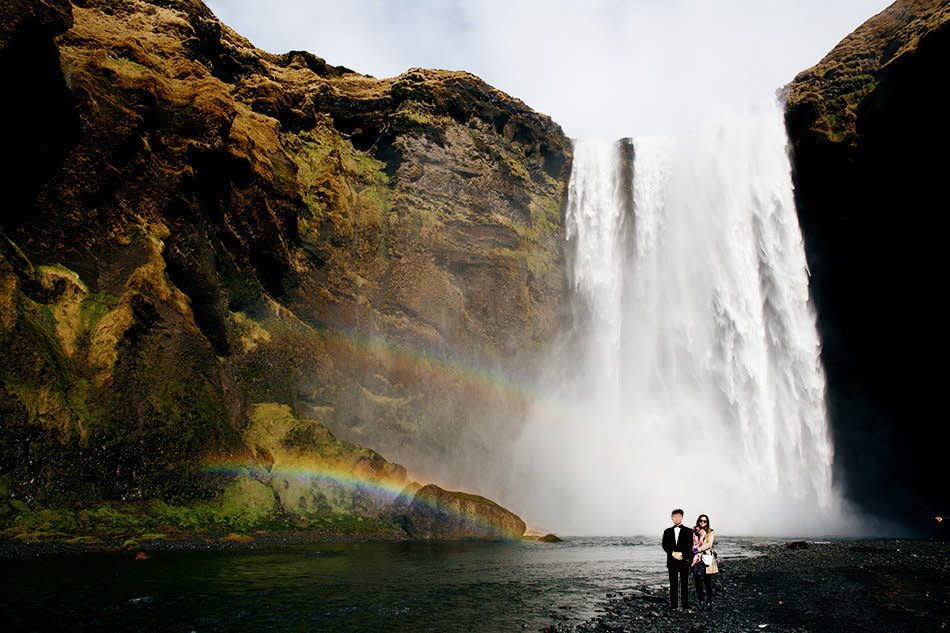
603 68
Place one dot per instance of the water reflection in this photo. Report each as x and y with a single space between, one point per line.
341 587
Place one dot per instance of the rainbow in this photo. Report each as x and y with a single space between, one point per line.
382 490
369 352
479 382
355 351
312 473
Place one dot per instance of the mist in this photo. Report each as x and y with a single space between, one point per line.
690 376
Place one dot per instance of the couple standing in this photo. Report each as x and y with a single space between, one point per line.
684 553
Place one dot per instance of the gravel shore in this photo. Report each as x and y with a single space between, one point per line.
881 586
886 586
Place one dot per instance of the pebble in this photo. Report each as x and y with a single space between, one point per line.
877 586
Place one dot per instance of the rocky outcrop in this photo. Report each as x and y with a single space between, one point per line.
869 133
435 514
308 472
194 226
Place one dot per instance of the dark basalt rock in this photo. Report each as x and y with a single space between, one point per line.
37 118
869 134
825 589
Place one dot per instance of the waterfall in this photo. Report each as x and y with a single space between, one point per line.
690 376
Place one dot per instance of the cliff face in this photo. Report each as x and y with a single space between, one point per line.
193 227
870 133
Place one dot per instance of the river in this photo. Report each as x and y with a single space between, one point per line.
419 588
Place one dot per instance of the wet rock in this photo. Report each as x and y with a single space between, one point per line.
873 111
825 592
438 515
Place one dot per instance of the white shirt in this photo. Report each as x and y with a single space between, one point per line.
676 533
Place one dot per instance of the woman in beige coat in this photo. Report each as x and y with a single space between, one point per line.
703 538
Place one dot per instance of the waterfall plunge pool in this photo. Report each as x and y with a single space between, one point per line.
422 588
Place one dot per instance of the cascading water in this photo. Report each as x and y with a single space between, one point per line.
691 377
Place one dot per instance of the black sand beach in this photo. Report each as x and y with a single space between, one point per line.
885 586
875 586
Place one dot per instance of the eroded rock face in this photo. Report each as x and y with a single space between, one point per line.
216 226
870 133
301 470
435 514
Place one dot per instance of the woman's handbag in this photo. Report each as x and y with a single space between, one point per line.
712 567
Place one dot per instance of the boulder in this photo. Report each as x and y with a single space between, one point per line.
436 514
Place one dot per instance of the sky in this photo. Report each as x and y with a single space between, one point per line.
600 68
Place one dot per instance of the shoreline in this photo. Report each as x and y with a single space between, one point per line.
213 541
203 542
878 586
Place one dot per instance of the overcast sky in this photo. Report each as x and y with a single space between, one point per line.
600 68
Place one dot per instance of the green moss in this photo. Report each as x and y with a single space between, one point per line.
125 61
95 306
356 525
34 368
505 153
345 192
249 498
536 250
84 540
236 538
837 106
411 121
57 269
135 523
517 170
109 519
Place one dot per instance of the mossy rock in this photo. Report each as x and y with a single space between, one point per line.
84 540
236 538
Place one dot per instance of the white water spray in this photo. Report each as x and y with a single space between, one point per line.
691 377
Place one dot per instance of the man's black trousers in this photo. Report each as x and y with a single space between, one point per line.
679 582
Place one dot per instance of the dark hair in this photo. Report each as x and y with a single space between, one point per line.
677 511
708 524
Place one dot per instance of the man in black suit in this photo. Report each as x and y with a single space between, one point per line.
678 543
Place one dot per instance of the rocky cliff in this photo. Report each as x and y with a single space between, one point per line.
193 227
870 132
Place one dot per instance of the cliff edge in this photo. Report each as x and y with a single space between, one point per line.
869 134
194 227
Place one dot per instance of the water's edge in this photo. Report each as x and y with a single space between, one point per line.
384 586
